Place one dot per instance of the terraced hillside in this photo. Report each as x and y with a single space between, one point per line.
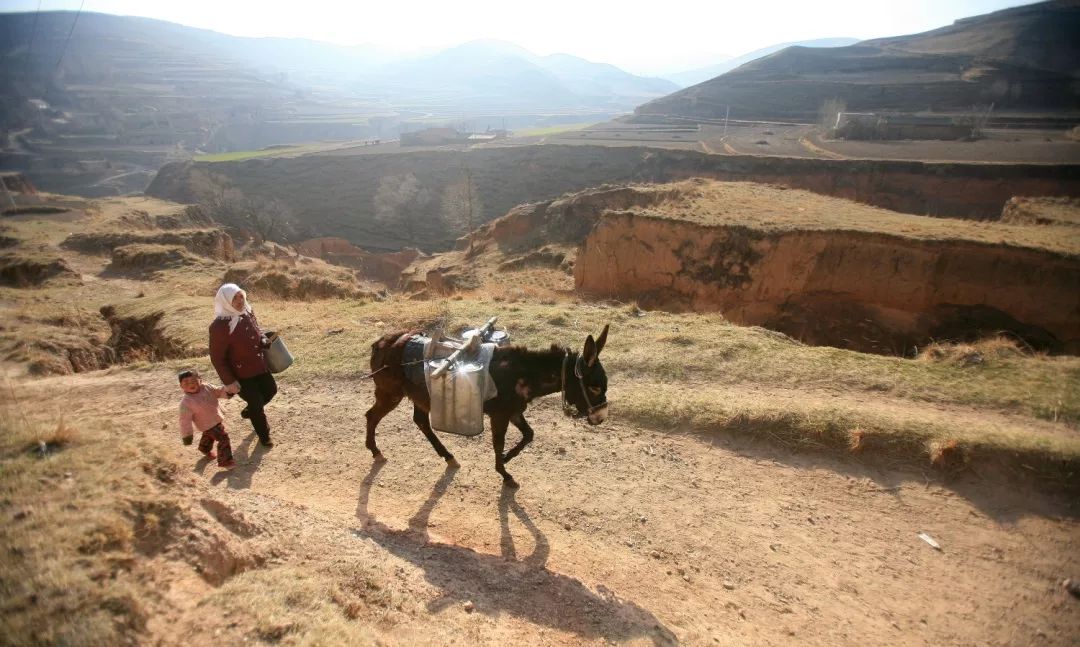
1021 59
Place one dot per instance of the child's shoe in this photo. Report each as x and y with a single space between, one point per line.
227 464
210 454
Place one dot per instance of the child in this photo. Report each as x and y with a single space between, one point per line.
199 408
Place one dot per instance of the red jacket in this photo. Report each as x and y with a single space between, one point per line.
239 354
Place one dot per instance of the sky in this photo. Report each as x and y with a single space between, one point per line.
684 35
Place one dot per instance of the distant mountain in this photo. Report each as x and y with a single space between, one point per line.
697 75
98 112
1023 59
492 75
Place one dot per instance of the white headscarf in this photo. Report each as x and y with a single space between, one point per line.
223 307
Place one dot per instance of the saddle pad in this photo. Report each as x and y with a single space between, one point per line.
413 360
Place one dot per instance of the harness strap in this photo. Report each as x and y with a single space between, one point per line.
568 408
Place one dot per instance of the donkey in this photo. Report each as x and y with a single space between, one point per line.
520 375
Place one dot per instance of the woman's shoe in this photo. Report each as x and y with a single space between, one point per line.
244 413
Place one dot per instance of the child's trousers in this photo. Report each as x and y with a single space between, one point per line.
224 447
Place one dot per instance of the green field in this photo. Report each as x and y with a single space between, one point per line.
270 151
551 130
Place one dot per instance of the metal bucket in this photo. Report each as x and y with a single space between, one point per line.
457 402
278 358
497 337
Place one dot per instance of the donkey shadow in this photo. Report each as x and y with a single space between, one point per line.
523 587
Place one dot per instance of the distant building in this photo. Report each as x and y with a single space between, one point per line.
872 125
442 136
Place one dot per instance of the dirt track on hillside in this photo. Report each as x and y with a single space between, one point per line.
619 533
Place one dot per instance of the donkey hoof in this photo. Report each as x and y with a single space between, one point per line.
511 484
379 458
451 463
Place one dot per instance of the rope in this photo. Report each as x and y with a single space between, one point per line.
371 374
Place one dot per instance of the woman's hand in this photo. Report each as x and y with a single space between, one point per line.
232 389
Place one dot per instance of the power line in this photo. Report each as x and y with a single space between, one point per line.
68 40
33 32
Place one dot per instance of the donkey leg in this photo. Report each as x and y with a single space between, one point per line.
526 436
385 402
423 420
498 441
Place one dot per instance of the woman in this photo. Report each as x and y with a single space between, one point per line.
236 350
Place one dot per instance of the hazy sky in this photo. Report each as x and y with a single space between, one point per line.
667 36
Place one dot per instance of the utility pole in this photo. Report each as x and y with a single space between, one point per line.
726 113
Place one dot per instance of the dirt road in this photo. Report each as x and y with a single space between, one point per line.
631 535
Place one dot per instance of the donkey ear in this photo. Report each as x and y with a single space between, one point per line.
589 354
601 340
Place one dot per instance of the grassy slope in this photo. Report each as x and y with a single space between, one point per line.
773 208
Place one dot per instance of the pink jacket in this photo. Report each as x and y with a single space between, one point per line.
201 410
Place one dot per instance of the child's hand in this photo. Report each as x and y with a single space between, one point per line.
232 389
188 439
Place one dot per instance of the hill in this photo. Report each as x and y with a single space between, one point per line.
1020 60
700 74
98 113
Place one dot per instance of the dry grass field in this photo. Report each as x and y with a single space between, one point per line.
746 488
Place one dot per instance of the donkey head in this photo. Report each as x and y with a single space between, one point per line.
586 386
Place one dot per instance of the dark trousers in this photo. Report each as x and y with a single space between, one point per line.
224 447
257 391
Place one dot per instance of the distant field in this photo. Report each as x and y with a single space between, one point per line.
551 130
243 155
273 151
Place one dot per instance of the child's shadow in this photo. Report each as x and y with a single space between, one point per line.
247 455
200 465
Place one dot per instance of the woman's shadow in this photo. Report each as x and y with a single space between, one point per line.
495 584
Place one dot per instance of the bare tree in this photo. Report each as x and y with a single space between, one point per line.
461 206
266 219
831 109
401 201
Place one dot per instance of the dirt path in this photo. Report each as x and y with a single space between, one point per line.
631 535
819 151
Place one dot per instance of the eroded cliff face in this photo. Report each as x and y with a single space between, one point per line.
335 195
861 290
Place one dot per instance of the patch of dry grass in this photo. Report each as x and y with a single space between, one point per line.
774 208
25 269
297 278
53 337
315 606
151 258
901 435
64 574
